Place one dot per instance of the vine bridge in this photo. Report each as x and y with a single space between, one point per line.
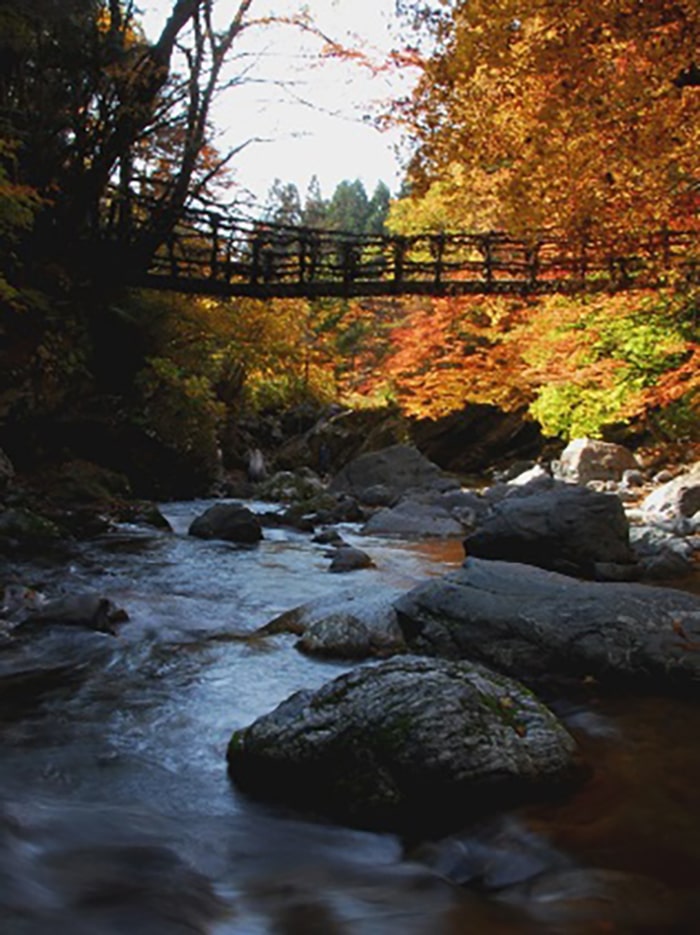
214 254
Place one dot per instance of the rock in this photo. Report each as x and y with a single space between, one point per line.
288 486
632 477
675 499
534 478
89 610
329 537
581 900
230 521
377 495
414 519
492 855
477 437
410 743
7 472
338 624
347 558
544 627
660 554
24 528
398 468
341 636
586 459
567 528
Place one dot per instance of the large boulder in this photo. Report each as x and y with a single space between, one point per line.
406 744
229 521
399 468
414 519
587 459
541 626
567 528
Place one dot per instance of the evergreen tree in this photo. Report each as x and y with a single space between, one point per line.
283 205
315 213
378 209
349 207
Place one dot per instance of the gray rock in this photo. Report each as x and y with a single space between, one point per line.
567 528
414 519
633 477
229 521
341 624
347 558
661 554
92 611
408 743
675 499
340 636
7 471
587 459
540 626
398 468
377 495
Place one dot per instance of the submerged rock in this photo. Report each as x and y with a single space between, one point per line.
411 743
539 625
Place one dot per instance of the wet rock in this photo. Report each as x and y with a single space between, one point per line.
329 537
7 472
492 855
587 459
567 529
347 558
93 611
592 899
399 468
229 521
544 627
408 743
341 624
341 636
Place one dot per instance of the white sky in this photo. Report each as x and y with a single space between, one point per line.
329 136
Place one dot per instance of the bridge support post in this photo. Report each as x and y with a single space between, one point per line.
399 257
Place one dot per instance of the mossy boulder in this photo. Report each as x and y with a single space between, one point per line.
411 744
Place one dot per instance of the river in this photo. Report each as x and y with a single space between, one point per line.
117 816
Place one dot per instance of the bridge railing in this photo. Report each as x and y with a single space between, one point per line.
238 256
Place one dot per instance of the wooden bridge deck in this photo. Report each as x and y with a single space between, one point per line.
212 254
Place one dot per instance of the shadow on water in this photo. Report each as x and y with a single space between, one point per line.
116 814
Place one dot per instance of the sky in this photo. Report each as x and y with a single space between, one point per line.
311 117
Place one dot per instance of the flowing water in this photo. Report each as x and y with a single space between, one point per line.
117 816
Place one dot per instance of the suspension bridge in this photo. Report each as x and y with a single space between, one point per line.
214 254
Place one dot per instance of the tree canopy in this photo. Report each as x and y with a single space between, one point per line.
544 113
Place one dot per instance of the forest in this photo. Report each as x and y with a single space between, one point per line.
525 116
